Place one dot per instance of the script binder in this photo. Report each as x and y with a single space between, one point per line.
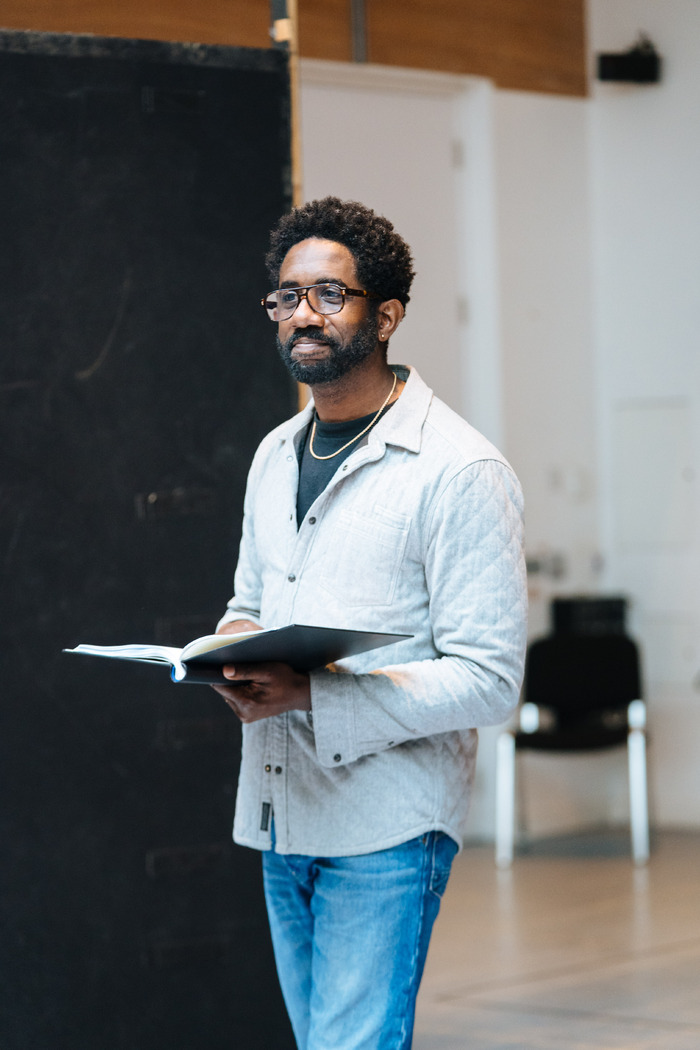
303 647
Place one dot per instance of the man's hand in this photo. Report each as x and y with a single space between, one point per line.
238 627
261 690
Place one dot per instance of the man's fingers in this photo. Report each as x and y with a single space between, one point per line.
261 690
243 706
257 672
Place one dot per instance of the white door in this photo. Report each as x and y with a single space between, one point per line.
415 147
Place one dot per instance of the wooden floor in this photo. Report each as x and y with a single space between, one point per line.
572 949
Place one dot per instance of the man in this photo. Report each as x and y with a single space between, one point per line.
374 508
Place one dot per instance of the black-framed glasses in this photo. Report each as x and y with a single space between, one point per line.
322 298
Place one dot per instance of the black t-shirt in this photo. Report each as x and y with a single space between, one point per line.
314 474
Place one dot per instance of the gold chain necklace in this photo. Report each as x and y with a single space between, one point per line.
357 436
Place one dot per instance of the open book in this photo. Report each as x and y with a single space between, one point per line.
304 648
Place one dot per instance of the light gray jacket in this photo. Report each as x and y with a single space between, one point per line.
420 532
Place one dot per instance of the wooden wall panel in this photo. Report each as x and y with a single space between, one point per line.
243 23
529 45
325 29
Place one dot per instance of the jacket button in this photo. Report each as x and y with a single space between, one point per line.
337 758
268 768
291 577
278 769
312 521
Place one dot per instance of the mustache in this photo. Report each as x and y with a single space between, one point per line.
312 332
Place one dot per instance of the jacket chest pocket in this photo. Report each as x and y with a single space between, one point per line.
363 556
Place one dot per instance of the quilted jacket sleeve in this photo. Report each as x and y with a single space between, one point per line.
475 579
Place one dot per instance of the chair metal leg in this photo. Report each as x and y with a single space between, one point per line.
639 809
505 799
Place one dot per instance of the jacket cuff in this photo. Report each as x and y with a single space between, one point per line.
333 713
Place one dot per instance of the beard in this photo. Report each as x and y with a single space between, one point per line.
341 359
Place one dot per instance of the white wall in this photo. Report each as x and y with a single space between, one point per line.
544 222
645 178
599 254
542 148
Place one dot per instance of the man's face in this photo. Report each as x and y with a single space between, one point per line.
320 348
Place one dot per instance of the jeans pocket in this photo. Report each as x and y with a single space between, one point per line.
444 850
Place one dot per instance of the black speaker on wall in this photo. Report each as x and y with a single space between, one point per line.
138 183
641 64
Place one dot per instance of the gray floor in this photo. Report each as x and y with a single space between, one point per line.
572 949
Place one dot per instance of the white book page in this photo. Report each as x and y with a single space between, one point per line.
210 642
155 654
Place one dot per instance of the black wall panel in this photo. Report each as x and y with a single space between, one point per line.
138 182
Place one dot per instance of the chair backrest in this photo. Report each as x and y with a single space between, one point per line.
575 673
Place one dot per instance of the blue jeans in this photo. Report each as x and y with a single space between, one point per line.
351 936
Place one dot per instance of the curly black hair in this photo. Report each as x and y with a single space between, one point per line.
382 258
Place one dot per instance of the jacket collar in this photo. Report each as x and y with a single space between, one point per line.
402 426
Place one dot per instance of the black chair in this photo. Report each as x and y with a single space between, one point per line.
582 692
